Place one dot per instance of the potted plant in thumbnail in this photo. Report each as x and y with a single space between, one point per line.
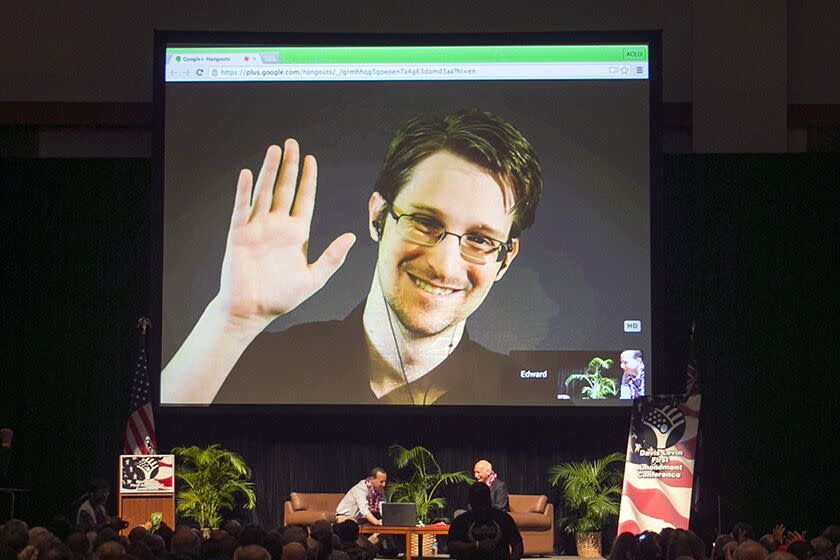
599 387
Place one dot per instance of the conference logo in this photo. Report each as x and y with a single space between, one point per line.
657 427
147 473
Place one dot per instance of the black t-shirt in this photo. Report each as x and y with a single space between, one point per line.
494 526
327 363
356 552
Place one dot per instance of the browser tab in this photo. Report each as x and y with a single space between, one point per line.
381 63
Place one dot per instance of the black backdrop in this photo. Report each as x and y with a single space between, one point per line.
750 244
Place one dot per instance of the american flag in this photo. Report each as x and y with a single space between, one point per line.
692 388
140 436
691 379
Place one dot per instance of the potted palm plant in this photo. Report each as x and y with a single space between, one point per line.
426 478
210 479
599 387
591 490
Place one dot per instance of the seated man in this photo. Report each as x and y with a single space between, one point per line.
483 472
484 532
633 379
361 503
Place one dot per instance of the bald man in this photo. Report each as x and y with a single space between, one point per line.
483 472
252 552
750 550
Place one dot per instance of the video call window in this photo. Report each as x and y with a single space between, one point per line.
439 224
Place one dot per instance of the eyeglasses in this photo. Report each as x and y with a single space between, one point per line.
428 232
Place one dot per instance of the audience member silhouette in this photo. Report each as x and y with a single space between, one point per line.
625 547
251 552
293 551
750 550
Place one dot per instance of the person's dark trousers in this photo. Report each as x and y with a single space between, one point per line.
390 545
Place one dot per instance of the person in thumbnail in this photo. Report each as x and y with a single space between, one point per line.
633 378
362 502
451 201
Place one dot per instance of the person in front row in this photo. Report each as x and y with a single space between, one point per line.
361 503
348 534
484 532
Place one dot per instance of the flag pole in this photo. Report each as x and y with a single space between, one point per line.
140 437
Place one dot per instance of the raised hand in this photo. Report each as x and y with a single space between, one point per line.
266 272
779 534
795 536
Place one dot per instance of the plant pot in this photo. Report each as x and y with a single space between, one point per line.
427 542
588 544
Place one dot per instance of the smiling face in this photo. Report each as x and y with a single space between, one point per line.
379 481
629 363
481 471
430 289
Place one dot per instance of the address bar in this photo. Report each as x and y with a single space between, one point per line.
372 72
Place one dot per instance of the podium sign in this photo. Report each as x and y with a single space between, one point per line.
147 474
147 485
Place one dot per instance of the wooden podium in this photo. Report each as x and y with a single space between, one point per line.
135 509
146 486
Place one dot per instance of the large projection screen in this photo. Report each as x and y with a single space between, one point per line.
441 300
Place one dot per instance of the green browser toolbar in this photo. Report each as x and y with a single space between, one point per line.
432 54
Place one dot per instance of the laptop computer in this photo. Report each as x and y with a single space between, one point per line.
399 515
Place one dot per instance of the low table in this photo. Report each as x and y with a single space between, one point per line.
407 531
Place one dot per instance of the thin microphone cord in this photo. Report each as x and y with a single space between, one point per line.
397 346
399 354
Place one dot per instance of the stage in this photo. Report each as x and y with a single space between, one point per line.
401 557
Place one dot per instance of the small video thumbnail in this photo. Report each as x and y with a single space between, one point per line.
562 375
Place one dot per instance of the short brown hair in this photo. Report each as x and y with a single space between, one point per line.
479 137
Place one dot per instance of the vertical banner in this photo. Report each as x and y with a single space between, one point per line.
659 471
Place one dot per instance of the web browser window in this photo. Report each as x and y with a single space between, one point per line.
444 298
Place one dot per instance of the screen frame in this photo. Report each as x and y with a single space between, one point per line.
164 39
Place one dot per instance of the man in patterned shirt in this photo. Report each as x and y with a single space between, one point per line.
633 379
